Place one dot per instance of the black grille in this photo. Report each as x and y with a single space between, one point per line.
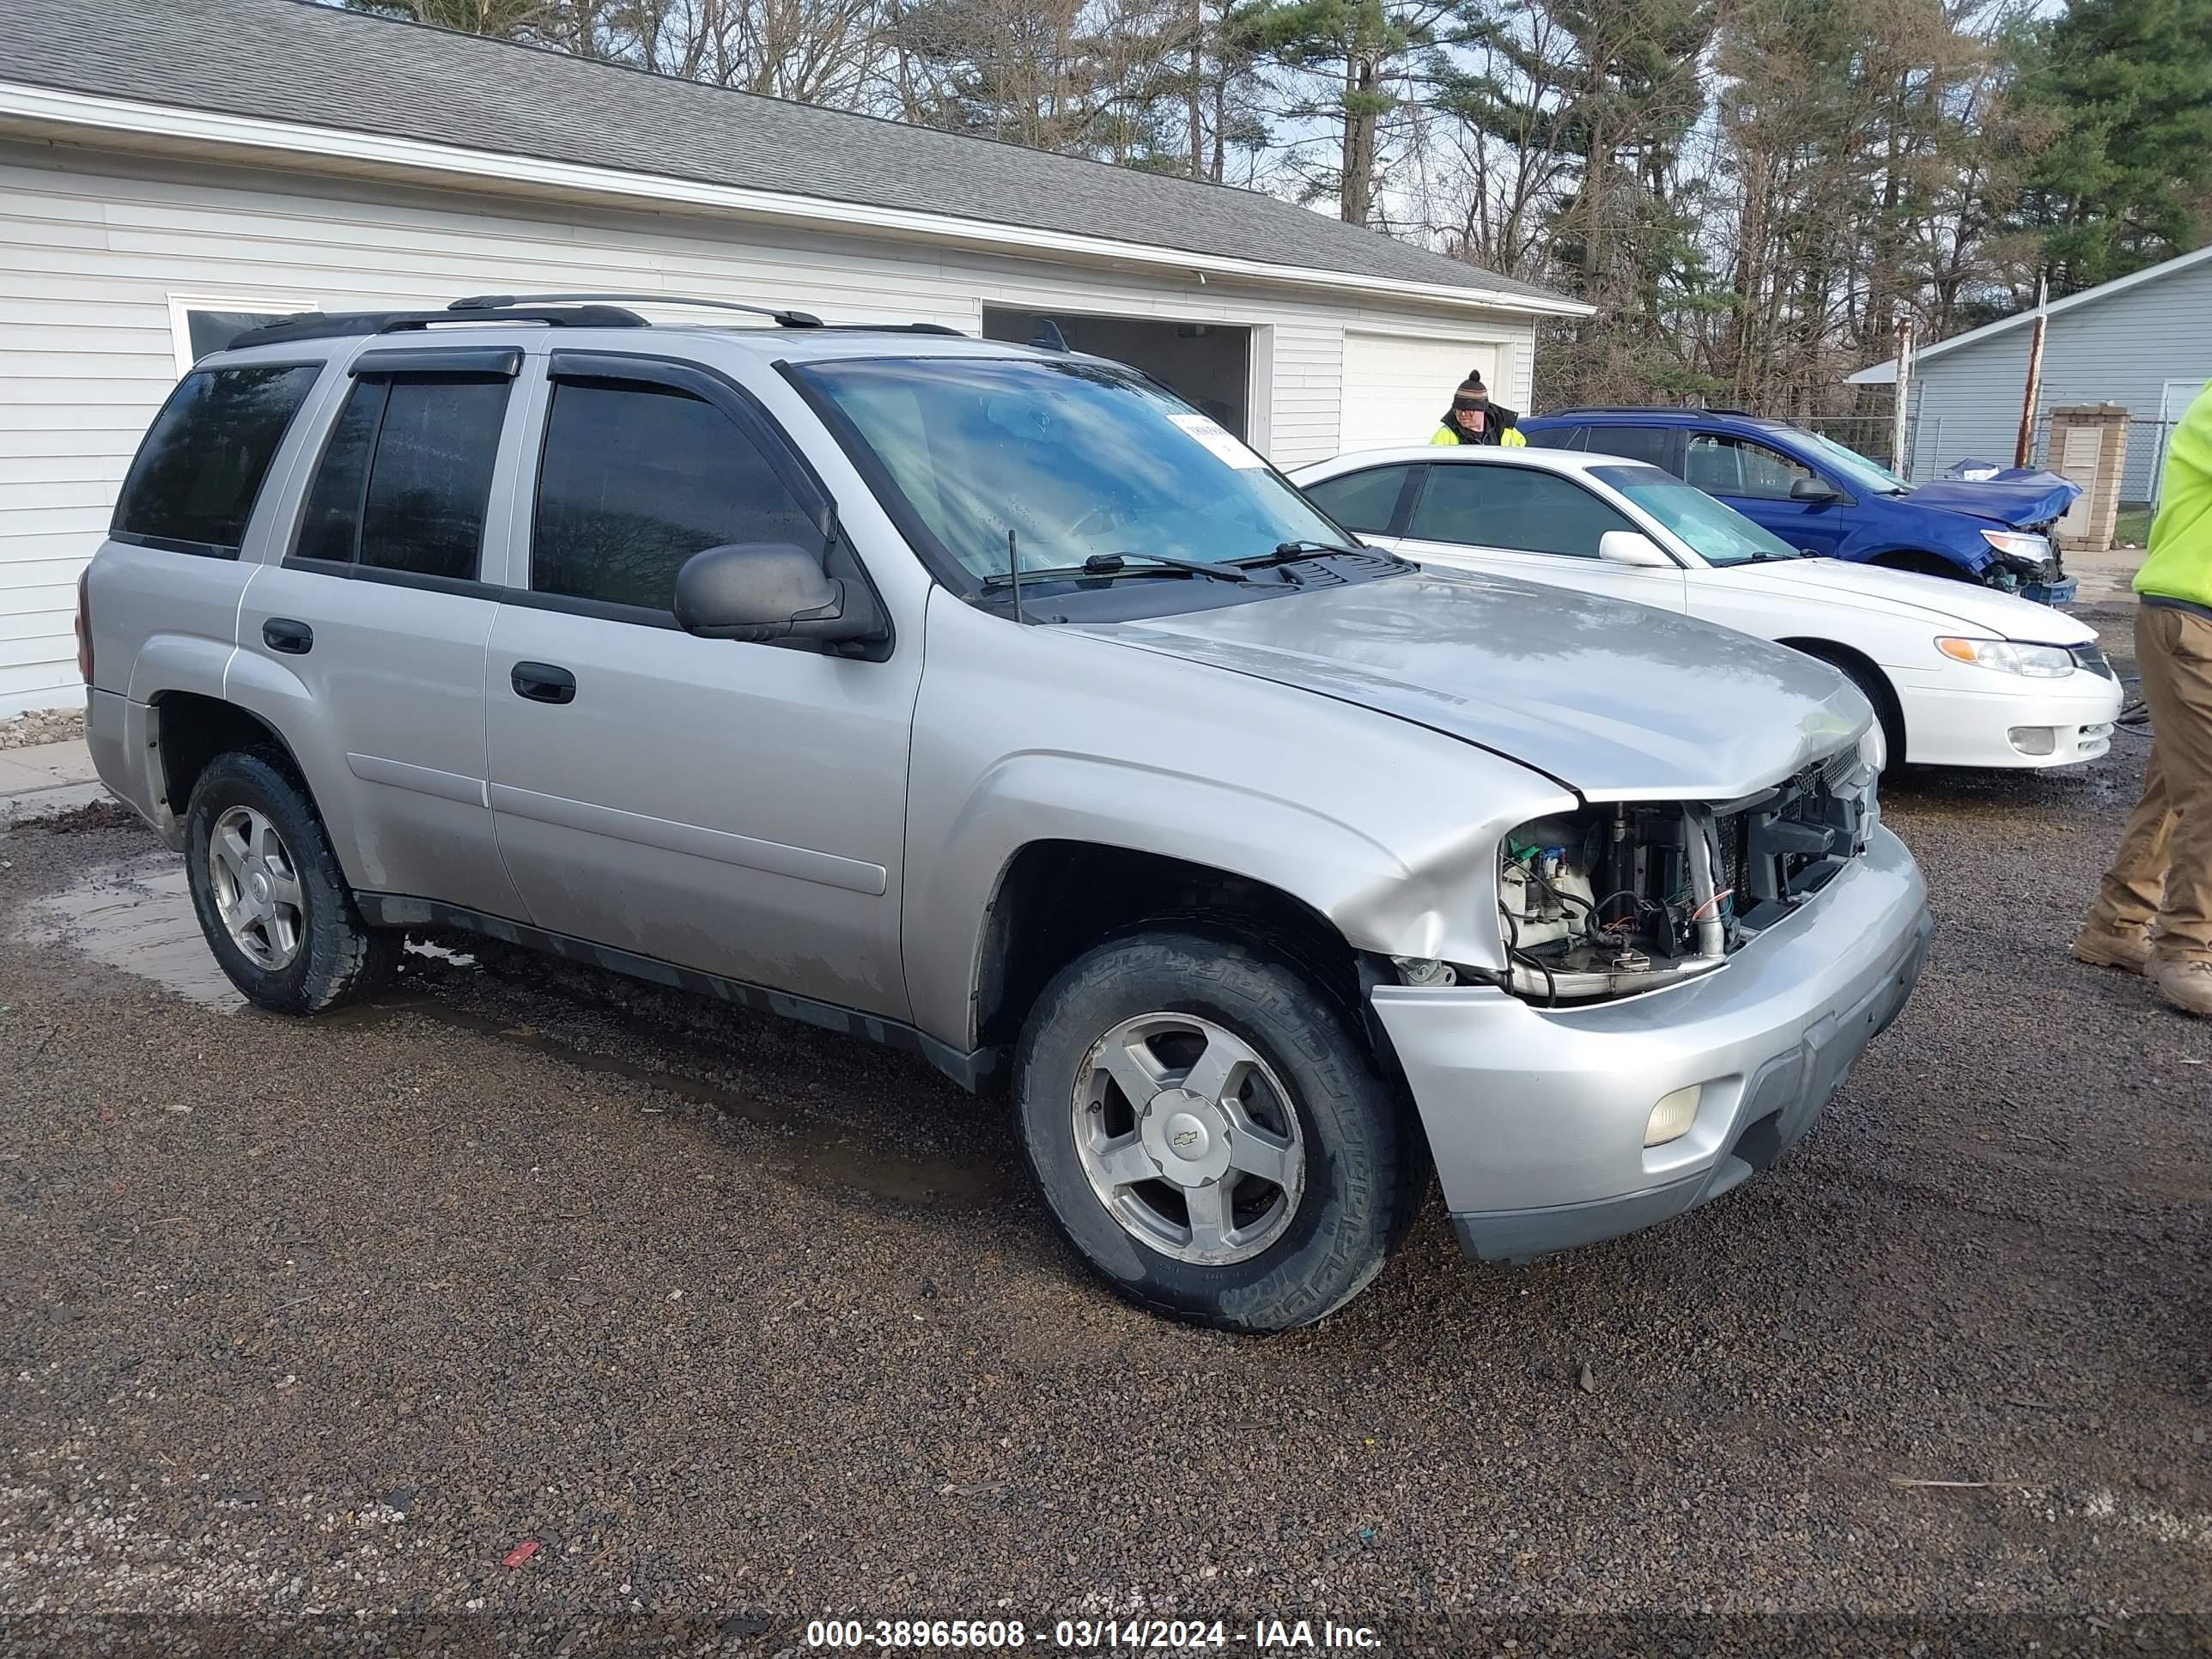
1838 769
2092 658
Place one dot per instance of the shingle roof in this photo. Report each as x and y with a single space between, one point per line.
294 60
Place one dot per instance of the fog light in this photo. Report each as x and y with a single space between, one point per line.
2034 739
1672 1117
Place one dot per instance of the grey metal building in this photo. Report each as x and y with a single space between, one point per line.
2142 341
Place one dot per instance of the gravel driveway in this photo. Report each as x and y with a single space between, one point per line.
539 1293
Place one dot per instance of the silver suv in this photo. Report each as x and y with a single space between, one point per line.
994 704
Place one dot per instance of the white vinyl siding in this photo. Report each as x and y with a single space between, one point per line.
1396 387
96 250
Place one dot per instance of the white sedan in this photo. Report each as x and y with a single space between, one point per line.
1961 675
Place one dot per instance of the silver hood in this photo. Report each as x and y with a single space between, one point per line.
1616 701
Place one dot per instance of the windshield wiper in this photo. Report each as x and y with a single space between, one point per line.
1115 564
1285 552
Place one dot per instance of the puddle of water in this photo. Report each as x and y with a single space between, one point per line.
138 916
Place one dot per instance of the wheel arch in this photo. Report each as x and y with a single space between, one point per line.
1924 562
1869 676
1056 898
190 728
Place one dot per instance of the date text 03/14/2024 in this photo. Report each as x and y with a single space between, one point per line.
1091 1635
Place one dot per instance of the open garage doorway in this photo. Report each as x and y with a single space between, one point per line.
1208 365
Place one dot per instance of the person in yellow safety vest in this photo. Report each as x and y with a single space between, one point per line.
1474 419
2153 910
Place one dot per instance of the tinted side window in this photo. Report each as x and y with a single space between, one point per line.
330 523
1636 443
634 480
1736 466
1558 437
430 477
193 484
1512 507
1362 501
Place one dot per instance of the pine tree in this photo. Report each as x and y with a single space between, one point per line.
2126 181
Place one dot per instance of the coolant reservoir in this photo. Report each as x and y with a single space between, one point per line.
1539 917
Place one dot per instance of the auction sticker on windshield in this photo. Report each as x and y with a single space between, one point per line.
1217 438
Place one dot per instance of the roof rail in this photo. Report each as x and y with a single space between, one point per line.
508 301
337 325
1653 408
895 328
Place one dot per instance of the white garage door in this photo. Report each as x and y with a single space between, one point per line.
1396 387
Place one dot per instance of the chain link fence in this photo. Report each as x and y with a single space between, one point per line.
1929 453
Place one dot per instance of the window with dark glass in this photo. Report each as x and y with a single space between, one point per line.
1512 507
1556 437
637 478
194 482
1361 500
330 523
1633 443
430 478
1737 466
406 475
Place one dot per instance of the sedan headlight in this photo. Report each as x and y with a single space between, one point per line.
2037 662
2018 545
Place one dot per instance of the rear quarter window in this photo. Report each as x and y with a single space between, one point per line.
193 487
1648 444
1556 437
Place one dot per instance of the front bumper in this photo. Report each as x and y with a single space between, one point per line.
1535 1117
1954 719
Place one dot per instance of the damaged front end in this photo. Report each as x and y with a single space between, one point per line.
2026 562
1615 900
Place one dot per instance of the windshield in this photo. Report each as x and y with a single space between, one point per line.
1076 459
1864 475
1714 529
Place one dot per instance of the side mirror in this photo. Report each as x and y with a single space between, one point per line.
1813 491
762 591
1632 548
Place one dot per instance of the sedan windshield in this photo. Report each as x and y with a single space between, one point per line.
1075 460
1714 529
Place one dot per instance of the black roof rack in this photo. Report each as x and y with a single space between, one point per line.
895 328
337 325
556 311
508 301
1653 408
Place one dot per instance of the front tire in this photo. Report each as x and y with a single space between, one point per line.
270 898
1209 1135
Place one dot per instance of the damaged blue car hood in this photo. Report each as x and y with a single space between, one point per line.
2022 503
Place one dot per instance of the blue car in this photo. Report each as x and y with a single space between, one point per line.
1825 499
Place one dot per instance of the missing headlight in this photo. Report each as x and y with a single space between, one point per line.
1611 900
1615 900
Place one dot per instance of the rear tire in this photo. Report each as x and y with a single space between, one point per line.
270 895
1263 1196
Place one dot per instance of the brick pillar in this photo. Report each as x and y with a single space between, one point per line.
2089 446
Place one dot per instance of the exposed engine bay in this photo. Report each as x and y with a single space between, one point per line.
1612 900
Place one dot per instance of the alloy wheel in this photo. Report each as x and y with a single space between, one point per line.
256 888
1189 1139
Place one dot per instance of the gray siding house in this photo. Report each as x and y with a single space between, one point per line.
2143 342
